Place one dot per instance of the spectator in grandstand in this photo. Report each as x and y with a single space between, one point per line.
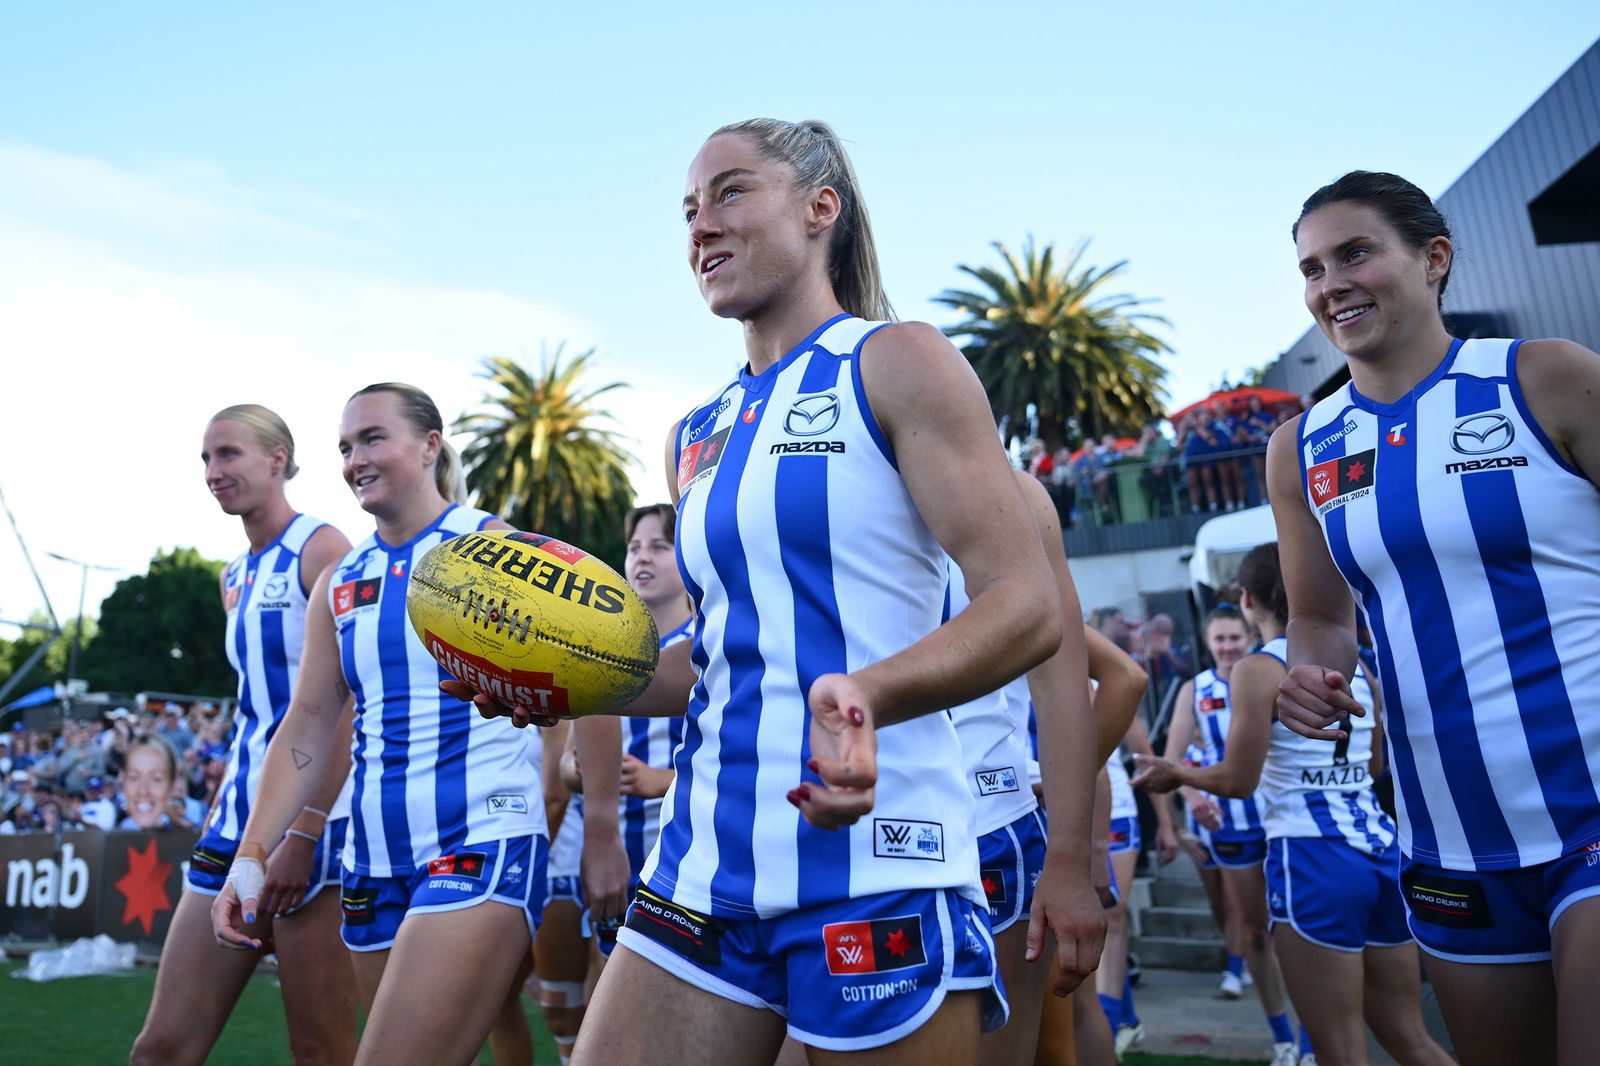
1156 452
174 729
97 810
82 759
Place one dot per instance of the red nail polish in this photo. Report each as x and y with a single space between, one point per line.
811 764
857 717
804 791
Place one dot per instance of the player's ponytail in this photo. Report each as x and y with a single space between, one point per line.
813 151
423 415
271 431
1261 575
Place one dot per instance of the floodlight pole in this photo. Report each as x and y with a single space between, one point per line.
77 629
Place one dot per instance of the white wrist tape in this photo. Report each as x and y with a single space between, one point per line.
248 877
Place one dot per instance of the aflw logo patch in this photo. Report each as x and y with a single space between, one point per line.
1338 481
898 838
873 947
994 782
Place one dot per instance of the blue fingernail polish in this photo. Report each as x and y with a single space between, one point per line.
249 919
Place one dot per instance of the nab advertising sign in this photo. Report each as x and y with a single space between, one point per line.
125 885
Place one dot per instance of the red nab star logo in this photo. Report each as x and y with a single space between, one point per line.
875 946
1355 472
994 885
144 887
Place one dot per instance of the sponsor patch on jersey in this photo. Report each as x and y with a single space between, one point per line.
697 938
207 861
811 416
230 599
1339 481
1397 435
352 595
1591 854
1212 704
1455 903
359 907
1327 440
994 782
275 587
508 804
899 838
1482 434
994 885
1494 462
699 459
807 447
875 946
462 864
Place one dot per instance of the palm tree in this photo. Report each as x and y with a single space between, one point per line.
539 459
1052 339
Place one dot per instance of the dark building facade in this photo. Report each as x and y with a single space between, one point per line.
1526 220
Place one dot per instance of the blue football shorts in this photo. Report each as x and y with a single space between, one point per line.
1010 860
855 974
213 855
508 871
1335 895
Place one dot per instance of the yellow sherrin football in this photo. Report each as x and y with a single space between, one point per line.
533 621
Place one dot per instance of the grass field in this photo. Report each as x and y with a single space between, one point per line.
89 1021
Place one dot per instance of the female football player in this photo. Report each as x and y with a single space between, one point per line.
248 454
1450 487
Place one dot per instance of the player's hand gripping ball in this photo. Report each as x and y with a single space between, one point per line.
533 621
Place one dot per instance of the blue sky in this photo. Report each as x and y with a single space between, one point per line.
202 206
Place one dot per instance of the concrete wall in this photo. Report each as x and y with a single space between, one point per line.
1118 579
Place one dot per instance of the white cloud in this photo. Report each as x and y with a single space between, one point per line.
133 305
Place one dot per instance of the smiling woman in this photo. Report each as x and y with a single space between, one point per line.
1450 487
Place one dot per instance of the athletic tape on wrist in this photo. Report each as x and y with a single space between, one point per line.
248 878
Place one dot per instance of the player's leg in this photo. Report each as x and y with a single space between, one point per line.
1114 993
1577 975
642 1014
562 959
1092 1042
1010 860
1245 887
510 1039
949 1037
1325 985
1497 1014
318 982
1057 1039
1392 985
445 983
197 985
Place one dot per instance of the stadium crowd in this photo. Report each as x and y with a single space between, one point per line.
158 768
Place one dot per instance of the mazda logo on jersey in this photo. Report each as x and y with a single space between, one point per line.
812 415
277 587
1482 434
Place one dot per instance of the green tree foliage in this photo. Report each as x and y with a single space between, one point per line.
541 458
162 631
15 653
1055 338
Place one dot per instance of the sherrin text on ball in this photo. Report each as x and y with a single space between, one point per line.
532 620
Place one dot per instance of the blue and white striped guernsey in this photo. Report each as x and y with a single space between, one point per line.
264 594
804 555
430 773
1123 803
994 749
1213 715
1475 557
652 741
1322 788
